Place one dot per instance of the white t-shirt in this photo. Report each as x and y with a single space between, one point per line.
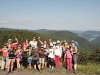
51 54
32 43
58 50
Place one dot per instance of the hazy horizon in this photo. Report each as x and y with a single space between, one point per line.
79 15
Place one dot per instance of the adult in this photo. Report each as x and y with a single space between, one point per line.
24 55
10 42
33 42
35 59
11 59
65 44
75 55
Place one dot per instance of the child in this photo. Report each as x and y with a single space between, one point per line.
68 59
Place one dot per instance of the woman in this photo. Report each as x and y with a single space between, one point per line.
24 55
75 55
11 59
65 44
33 42
35 59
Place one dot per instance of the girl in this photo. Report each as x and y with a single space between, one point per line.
18 56
68 59
51 58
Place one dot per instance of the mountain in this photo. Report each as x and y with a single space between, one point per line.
22 35
89 35
66 35
96 41
46 35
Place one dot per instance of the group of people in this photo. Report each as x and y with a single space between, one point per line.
47 55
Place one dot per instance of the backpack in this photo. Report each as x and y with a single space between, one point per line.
35 53
78 47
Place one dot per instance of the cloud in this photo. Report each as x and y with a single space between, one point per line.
3 22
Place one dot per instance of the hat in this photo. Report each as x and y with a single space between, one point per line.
42 46
58 41
72 41
67 46
11 46
5 44
51 45
9 40
24 43
64 40
54 42
19 45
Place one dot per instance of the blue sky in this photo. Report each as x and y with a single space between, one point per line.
50 14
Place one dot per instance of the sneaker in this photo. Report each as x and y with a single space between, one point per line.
34 70
52 71
40 71
11 71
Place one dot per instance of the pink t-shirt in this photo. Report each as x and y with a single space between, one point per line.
68 53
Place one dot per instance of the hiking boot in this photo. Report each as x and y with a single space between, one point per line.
75 72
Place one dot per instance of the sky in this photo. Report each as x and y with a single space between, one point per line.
50 14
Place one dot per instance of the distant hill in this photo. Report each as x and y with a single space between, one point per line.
96 41
89 35
5 29
66 35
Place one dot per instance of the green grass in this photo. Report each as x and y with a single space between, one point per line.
89 69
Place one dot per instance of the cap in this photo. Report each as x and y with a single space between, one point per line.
24 43
19 45
54 42
42 46
51 45
58 41
64 40
5 44
11 46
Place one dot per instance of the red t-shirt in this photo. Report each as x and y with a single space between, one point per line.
4 52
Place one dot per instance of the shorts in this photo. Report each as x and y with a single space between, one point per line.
10 60
29 61
41 60
75 58
46 58
18 58
35 62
